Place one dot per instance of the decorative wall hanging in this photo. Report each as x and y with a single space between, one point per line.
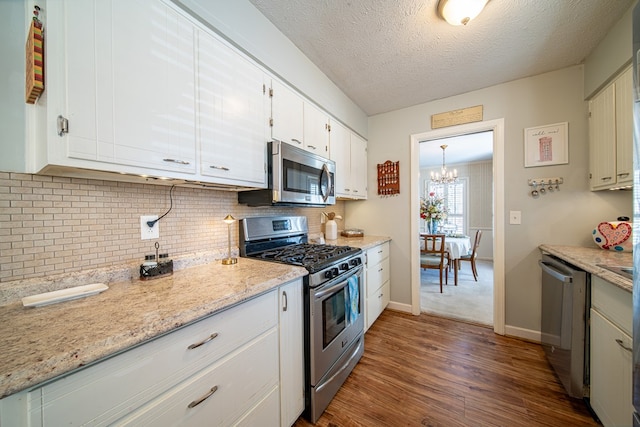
35 59
457 117
389 178
546 145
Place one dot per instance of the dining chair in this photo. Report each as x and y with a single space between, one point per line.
433 255
471 256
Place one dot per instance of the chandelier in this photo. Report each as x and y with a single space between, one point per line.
445 176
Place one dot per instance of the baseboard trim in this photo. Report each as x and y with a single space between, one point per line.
406 308
526 334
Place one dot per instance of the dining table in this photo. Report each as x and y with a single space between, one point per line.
457 246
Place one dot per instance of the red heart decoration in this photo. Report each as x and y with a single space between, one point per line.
614 234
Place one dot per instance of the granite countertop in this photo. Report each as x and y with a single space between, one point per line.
44 342
364 243
587 258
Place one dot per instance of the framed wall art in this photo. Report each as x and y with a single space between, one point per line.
546 145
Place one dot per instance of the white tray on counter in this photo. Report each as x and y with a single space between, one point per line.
63 295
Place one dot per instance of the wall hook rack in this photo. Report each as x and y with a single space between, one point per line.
544 185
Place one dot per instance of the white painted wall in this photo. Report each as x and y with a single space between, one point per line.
565 217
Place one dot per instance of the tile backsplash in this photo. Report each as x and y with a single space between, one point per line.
53 225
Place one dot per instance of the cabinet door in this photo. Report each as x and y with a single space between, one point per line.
316 130
358 167
130 84
340 152
602 136
624 128
291 352
231 114
286 115
610 372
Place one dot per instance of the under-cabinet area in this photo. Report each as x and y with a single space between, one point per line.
608 336
203 115
168 361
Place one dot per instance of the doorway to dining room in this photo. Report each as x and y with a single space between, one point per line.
457 173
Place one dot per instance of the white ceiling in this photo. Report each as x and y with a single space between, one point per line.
386 55
460 149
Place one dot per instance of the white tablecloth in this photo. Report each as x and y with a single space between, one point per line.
456 246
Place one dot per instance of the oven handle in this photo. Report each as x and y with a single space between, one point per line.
333 288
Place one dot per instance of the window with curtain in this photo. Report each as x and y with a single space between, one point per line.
455 196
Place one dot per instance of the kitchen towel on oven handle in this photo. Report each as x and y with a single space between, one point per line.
352 299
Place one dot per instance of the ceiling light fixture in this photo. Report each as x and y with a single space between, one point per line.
460 12
444 177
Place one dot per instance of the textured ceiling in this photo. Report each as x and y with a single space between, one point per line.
386 55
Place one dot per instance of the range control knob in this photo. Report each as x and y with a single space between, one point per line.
344 266
355 261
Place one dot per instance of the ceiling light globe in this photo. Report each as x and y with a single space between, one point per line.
460 12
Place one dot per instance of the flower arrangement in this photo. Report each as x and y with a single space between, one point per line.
433 208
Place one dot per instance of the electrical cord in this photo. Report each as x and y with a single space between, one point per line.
152 223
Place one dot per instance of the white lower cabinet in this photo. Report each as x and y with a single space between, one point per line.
377 284
291 352
610 354
222 370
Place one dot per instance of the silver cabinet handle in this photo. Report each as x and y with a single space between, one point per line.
606 178
180 162
204 341
285 301
621 344
623 175
219 167
296 141
203 398
63 125
312 147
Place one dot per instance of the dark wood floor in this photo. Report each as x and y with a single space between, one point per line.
429 371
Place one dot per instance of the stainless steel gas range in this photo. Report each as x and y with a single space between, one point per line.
334 300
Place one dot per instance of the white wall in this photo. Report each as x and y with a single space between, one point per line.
565 217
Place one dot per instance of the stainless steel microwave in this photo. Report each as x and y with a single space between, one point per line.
295 178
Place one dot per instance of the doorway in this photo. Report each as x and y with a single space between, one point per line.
497 126
466 197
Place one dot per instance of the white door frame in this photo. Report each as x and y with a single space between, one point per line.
497 126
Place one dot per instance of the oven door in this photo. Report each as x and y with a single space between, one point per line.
301 177
337 319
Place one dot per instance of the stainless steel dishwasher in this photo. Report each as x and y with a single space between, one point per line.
564 324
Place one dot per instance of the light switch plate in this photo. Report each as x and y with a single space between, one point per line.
147 232
515 217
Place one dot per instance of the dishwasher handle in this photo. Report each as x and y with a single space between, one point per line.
548 268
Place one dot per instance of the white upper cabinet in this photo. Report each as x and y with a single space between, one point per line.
349 151
358 151
316 130
130 87
286 114
233 114
611 135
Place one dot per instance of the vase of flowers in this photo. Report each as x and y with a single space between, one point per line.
433 210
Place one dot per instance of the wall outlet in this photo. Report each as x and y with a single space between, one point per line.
147 232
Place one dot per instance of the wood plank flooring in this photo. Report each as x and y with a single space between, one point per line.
430 371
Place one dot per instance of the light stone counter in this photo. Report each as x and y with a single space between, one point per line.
44 342
587 258
364 243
